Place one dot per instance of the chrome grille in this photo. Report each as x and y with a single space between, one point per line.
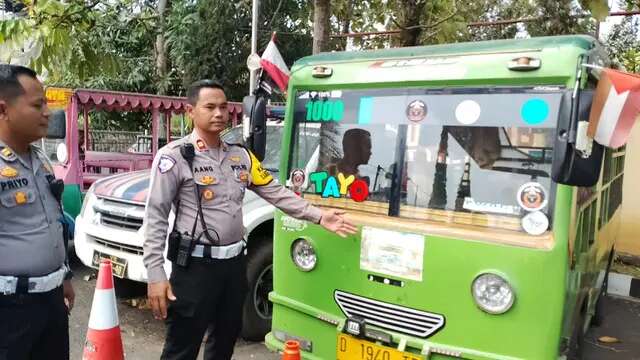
120 221
120 214
132 249
389 316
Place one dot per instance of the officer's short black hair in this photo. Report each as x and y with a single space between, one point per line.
193 92
10 87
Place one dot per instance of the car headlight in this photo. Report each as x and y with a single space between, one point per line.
89 199
492 293
303 255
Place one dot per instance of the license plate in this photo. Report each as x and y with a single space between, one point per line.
119 265
350 348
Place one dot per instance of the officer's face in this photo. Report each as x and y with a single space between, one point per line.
27 116
210 113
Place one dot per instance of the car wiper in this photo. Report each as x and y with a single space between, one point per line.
532 172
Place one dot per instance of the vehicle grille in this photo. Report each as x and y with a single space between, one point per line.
120 215
132 249
389 316
120 221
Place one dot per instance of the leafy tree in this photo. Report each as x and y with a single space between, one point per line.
623 44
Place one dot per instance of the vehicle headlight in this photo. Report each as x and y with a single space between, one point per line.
303 255
492 293
89 199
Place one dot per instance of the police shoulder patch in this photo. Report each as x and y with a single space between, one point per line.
259 175
166 163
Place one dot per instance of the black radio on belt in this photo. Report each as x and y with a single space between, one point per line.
180 248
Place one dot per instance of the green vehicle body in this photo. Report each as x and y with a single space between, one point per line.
556 283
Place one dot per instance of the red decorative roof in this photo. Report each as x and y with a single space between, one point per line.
124 101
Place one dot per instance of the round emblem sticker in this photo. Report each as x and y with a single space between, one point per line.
297 177
535 223
416 111
532 196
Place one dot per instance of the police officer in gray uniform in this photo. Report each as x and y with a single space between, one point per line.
35 287
204 180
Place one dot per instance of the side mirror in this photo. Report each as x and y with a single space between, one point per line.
57 125
256 108
569 167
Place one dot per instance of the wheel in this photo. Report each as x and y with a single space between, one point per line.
576 343
256 321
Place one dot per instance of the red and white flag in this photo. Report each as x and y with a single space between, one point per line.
615 108
272 62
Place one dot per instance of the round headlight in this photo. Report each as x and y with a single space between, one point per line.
303 255
492 293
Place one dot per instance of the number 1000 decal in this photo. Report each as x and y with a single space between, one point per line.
329 110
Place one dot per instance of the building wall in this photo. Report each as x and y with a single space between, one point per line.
629 236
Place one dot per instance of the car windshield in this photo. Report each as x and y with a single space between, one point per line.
475 159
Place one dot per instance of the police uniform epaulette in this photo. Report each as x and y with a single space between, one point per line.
7 154
175 144
236 144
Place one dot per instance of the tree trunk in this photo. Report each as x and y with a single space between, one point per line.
411 12
161 49
321 13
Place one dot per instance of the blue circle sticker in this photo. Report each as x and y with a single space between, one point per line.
535 111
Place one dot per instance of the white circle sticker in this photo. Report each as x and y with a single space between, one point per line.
535 223
532 196
468 112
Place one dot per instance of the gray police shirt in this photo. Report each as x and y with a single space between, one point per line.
222 174
31 235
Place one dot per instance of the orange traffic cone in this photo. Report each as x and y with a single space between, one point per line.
291 350
104 341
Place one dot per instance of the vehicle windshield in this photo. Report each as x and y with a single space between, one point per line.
472 157
272 156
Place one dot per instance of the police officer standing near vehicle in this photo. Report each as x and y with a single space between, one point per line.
35 287
204 179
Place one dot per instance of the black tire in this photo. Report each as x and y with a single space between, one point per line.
576 343
256 320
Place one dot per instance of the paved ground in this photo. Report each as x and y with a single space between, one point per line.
143 336
622 321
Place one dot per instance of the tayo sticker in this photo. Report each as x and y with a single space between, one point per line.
200 145
532 196
207 194
535 223
9 172
21 198
333 187
207 180
166 163
416 111
297 178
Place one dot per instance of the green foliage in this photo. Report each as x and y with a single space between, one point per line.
623 44
58 34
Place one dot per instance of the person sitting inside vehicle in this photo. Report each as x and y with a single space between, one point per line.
356 147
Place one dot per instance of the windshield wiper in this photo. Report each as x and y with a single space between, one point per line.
532 172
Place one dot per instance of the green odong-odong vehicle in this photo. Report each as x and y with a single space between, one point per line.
484 232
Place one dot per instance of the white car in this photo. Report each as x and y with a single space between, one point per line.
110 226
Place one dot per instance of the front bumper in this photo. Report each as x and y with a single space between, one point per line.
112 241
